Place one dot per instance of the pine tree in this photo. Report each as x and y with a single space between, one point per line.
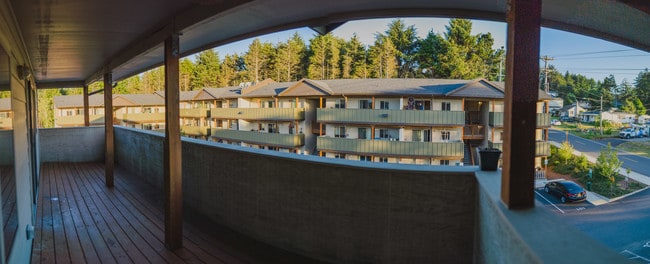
206 70
382 58
404 39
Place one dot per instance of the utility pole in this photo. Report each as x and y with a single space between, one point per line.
601 114
546 59
500 69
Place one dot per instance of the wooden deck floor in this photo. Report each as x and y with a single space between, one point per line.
80 220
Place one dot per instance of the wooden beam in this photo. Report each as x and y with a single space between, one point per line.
172 149
520 103
108 126
86 113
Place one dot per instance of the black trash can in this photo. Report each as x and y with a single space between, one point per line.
489 159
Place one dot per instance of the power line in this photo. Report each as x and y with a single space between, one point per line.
604 57
593 52
546 59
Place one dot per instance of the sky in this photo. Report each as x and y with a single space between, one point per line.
575 53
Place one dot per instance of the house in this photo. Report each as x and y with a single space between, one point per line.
571 111
591 116
619 117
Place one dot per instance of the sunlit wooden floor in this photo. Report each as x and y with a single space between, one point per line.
80 220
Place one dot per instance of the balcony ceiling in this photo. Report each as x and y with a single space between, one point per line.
71 42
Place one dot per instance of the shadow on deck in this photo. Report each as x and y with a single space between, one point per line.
80 220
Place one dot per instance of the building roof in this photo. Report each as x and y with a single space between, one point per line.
137 99
69 101
5 104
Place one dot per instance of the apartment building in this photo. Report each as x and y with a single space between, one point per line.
69 110
412 121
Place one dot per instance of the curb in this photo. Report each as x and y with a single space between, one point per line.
629 194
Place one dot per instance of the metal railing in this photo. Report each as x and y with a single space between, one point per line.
496 119
194 112
78 120
279 114
381 116
195 130
542 148
393 148
255 137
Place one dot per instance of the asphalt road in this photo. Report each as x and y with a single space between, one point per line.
592 148
623 225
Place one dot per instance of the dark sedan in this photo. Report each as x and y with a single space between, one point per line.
566 191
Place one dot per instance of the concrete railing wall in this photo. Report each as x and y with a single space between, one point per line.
346 211
74 144
6 147
332 210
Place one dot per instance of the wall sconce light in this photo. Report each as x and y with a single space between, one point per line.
23 72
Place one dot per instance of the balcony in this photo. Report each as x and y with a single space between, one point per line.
202 131
254 137
496 119
274 114
391 148
473 132
142 117
392 117
78 120
542 148
234 194
194 112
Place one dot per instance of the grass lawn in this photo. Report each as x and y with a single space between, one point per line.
641 148
586 130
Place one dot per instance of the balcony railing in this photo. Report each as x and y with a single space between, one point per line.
254 137
279 114
78 120
392 148
473 132
380 116
542 148
194 112
143 117
196 130
496 119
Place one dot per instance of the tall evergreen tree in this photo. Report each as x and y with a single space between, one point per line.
185 74
324 57
642 83
382 58
206 70
290 56
257 60
404 40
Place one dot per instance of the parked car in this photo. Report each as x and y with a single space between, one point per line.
628 133
556 122
566 191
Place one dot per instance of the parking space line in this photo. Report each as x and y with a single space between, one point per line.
634 255
558 208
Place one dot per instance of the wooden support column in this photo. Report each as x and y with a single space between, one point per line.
520 103
172 149
109 155
86 112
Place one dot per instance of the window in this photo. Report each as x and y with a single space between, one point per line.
365 104
146 110
365 158
417 135
339 156
80 111
444 162
270 104
383 159
272 128
340 103
446 106
233 125
445 135
363 133
339 132
427 135
383 105
68 112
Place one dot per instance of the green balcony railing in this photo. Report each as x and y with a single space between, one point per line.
195 130
496 119
78 120
194 112
380 116
542 148
143 117
386 147
254 137
279 114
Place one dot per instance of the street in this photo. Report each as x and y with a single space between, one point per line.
623 225
592 148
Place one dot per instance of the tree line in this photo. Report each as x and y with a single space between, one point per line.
397 52
629 97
